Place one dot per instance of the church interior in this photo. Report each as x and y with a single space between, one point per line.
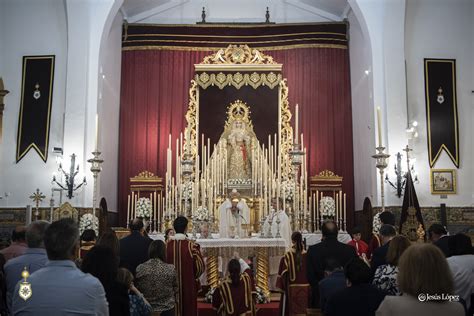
253 120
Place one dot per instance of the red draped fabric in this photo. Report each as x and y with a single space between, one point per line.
154 100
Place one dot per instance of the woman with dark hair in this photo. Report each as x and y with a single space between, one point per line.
234 296
101 262
109 239
292 279
168 234
385 277
157 280
139 306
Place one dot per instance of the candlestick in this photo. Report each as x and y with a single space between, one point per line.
379 126
340 209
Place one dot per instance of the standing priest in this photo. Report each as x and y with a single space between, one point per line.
285 226
186 256
234 216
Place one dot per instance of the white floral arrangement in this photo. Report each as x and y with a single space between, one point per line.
89 221
143 208
327 207
376 223
201 214
239 182
288 189
187 192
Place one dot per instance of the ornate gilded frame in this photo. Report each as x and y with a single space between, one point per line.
239 65
449 190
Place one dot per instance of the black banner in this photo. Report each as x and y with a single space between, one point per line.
410 218
35 106
441 109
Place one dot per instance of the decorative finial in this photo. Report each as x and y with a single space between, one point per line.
267 16
203 15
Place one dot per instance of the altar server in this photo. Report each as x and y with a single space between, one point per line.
186 256
235 295
292 279
285 227
359 245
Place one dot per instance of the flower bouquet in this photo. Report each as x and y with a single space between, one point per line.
187 192
376 223
327 208
143 208
89 221
288 190
201 214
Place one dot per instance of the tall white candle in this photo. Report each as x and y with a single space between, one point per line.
344 218
296 124
96 132
379 126
128 208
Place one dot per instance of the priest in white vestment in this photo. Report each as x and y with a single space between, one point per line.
285 226
234 217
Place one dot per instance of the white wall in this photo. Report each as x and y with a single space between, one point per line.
109 111
442 29
73 31
232 11
29 28
363 126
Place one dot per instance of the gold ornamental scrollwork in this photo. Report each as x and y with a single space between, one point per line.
286 131
191 131
238 54
238 80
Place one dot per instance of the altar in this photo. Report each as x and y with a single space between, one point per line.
266 251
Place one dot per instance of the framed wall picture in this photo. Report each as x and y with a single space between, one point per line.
443 181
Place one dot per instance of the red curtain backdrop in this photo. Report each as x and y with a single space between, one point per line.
154 100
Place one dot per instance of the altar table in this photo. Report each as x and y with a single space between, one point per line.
267 251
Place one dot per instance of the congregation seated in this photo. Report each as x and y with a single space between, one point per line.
18 245
157 280
33 259
235 294
134 247
102 264
318 255
292 279
88 238
438 235
423 274
387 233
359 297
334 280
139 306
60 288
386 218
461 264
385 277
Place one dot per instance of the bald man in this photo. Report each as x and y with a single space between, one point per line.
18 245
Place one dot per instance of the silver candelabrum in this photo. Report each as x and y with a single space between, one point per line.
381 163
96 168
278 235
70 186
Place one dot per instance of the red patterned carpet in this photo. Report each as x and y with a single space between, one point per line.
270 309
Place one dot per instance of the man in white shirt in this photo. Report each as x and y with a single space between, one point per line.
461 264
285 226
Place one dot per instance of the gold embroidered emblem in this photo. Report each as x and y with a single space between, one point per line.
25 291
